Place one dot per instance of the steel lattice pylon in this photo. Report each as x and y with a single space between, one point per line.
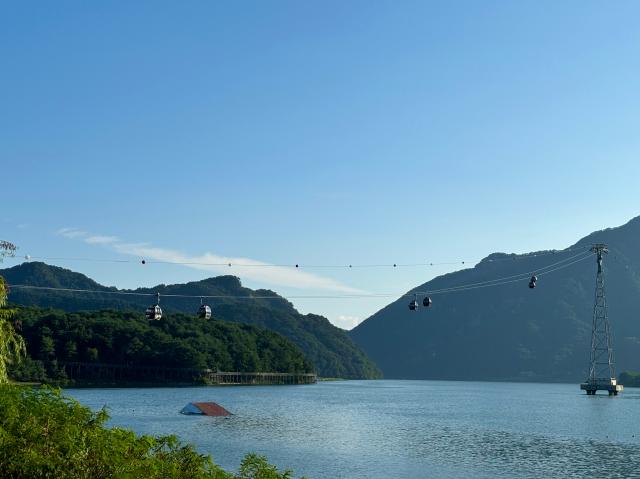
601 369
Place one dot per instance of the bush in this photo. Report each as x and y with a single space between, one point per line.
46 435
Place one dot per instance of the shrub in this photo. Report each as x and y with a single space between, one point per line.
46 435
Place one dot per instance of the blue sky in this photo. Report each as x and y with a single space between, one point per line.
314 133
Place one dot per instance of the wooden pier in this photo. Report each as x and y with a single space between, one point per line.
104 372
230 378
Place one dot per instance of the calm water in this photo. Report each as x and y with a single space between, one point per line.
398 429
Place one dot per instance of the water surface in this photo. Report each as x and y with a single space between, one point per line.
403 429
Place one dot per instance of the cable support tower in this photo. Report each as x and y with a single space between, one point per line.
602 375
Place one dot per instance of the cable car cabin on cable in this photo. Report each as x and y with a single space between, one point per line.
533 281
154 312
426 302
204 312
413 305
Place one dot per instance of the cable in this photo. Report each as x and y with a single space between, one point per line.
469 287
231 264
204 296
464 287
521 276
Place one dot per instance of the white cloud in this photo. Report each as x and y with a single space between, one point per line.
347 322
245 268
71 233
98 239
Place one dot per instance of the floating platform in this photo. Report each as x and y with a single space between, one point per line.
205 409
609 385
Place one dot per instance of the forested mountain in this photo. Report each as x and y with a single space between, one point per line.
178 341
511 332
329 348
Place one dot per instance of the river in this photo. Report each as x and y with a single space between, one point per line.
398 429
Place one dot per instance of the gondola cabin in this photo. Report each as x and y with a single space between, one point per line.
413 305
204 312
426 302
154 312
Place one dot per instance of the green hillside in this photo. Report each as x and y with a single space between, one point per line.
329 348
178 341
511 332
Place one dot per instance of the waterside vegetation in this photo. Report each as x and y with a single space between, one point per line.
46 435
327 347
55 337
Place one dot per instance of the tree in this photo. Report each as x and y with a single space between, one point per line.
12 347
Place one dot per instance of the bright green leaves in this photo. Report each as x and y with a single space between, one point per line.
44 434
12 346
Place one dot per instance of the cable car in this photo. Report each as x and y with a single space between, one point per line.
154 312
426 302
204 312
532 282
413 305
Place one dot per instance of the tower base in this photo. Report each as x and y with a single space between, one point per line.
609 385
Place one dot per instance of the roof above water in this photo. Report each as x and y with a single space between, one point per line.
205 408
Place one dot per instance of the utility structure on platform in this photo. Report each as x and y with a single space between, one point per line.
602 375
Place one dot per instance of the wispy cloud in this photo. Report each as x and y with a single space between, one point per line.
71 233
347 322
243 267
98 239
246 268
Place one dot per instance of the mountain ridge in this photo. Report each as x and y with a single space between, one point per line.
329 348
508 331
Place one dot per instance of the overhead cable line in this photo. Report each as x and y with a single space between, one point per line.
487 284
231 264
520 276
464 287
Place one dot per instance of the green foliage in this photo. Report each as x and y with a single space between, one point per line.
329 348
629 379
46 435
12 346
257 467
178 341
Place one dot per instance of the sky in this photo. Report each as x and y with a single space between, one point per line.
313 133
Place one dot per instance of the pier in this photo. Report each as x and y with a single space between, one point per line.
114 373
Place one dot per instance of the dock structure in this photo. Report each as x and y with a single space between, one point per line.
601 367
104 372
238 378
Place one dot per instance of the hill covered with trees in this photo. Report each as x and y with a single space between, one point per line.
178 341
327 347
511 332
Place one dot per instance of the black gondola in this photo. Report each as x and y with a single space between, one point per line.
204 312
426 302
533 281
154 312
413 305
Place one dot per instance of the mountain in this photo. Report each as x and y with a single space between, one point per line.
328 347
511 332
126 337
